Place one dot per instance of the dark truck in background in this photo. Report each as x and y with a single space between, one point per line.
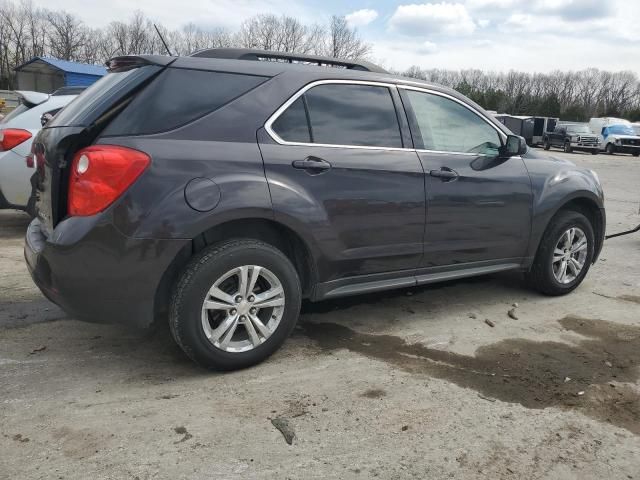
572 136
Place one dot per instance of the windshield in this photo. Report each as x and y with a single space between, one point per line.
578 129
619 130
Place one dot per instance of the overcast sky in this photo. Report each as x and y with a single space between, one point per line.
530 35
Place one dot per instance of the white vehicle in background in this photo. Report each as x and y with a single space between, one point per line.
616 135
17 130
636 128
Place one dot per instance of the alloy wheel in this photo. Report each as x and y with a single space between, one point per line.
243 308
569 255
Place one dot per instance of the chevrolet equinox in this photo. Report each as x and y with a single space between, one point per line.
219 190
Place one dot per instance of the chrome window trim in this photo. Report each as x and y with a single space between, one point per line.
268 126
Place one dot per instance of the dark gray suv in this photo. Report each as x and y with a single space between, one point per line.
221 189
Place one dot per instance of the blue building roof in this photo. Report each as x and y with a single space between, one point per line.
67 66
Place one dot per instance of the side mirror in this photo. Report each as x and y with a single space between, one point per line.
514 146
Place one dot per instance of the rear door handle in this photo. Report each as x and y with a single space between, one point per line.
445 174
313 165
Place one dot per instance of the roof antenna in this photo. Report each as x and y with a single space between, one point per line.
162 39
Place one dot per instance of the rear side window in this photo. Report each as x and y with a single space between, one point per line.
342 114
177 97
292 125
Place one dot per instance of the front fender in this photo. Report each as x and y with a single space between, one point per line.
555 184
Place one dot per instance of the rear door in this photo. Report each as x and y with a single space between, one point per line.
341 167
479 205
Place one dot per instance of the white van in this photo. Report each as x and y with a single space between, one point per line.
617 135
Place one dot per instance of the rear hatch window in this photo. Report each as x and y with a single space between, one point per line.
20 109
180 96
100 96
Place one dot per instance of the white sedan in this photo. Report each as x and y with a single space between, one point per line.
17 130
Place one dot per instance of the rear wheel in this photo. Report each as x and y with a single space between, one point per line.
547 145
564 256
611 150
636 154
235 304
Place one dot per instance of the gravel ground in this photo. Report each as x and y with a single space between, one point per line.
406 384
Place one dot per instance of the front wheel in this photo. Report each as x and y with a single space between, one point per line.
547 145
594 152
567 148
611 150
636 154
235 304
564 256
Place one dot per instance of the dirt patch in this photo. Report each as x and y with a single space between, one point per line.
586 376
630 298
374 393
182 431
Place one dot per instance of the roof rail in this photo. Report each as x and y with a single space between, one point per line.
286 57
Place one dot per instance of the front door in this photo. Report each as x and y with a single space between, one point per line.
478 205
337 167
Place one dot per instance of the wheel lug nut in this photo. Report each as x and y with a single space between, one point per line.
238 299
242 317
233 311
253 311
251 298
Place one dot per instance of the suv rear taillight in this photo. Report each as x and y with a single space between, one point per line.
12 137
100 174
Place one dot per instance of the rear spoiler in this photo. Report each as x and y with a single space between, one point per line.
31 99
127 62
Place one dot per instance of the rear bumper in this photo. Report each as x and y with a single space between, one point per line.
95 273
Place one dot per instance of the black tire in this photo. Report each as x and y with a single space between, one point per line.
636 154
611 150
196 280
567 148
541 276
594 152
547 145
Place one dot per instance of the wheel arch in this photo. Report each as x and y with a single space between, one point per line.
590 208
269 231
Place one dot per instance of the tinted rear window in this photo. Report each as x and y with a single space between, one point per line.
100 96
292 125
360 115
179 96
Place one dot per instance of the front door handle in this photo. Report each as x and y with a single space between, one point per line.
445 174
313 165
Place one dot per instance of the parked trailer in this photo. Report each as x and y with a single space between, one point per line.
519 125
542 126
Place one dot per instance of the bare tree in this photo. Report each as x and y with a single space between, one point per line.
27 31
66 35
344 42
